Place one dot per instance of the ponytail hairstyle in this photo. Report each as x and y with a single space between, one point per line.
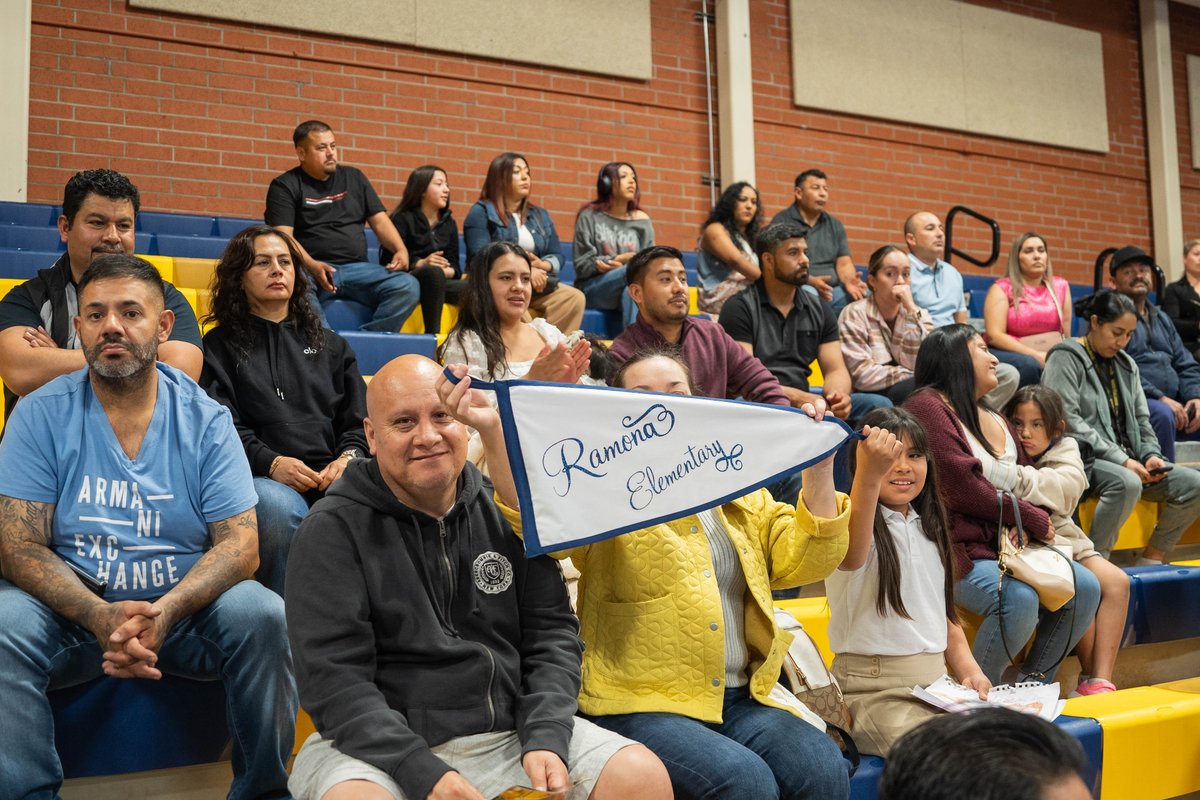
928 505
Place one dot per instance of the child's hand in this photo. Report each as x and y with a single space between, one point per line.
979 683
877 452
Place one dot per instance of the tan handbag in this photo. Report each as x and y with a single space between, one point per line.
1044 566
806 676
1042 342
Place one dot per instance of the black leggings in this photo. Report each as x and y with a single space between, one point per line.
436 289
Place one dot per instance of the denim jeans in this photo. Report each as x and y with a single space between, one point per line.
606 291
1027 366
392 295
755 752
239 638
1057 631
839 300
280 511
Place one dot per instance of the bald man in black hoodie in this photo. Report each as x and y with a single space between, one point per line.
435 659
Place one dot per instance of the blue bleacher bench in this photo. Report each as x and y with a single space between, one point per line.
110 726
373 349
175 224
167 244
31 237
28 213
24 264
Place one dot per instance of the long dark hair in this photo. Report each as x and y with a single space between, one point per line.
928 506
722 213
498 182
414 189
477 308
604 189
230 306
944 363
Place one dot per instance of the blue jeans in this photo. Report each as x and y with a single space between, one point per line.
1057 631
756 752
839 300
280 511
1162 420
239 638
392 295
607 291
1027 366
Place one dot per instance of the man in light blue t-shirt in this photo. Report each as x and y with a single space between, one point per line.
937 287
128 539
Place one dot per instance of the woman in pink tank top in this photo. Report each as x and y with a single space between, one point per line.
1029 311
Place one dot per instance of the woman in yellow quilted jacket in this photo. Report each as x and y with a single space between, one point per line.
681 648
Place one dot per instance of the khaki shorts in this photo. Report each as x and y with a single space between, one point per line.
490 761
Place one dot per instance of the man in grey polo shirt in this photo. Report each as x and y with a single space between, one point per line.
831 270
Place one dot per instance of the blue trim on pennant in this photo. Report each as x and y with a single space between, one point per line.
512 444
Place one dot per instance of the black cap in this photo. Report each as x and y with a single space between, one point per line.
1129 255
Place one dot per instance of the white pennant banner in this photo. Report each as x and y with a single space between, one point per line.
592 462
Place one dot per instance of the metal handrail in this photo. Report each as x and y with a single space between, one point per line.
951 251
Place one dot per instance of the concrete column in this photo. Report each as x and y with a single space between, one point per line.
1162 144
735 91
14 100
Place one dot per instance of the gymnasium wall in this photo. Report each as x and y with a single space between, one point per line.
200 111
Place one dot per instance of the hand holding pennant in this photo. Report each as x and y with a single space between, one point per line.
591 462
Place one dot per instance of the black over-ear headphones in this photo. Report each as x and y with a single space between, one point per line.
604 184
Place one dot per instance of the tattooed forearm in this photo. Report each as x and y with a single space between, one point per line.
27 560
232 558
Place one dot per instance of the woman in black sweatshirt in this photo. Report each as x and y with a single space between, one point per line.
293 388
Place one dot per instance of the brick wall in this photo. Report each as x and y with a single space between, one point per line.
199 112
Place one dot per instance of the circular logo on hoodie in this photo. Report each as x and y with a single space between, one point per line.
493 572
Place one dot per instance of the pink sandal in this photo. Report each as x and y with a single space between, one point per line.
1094 686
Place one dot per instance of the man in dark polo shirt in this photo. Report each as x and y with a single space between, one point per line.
323 206
37 334
787 329
831 271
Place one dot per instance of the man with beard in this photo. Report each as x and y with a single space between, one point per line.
658 285
323 205
1169 372
37 339
128 540
788 329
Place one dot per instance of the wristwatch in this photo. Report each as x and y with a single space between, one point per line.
350 453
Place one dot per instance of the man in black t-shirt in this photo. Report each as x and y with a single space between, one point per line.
37 334
787 329
324 206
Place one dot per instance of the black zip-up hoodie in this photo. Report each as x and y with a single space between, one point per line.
408 631
286 398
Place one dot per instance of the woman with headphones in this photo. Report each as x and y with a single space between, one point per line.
608 232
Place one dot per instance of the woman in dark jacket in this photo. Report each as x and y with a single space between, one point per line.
293 388
430 234
954 370
503 213
1181 299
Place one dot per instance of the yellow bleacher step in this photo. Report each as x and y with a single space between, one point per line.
195 273
164 264
813 614
1151 746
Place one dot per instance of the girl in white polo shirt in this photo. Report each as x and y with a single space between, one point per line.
893 624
